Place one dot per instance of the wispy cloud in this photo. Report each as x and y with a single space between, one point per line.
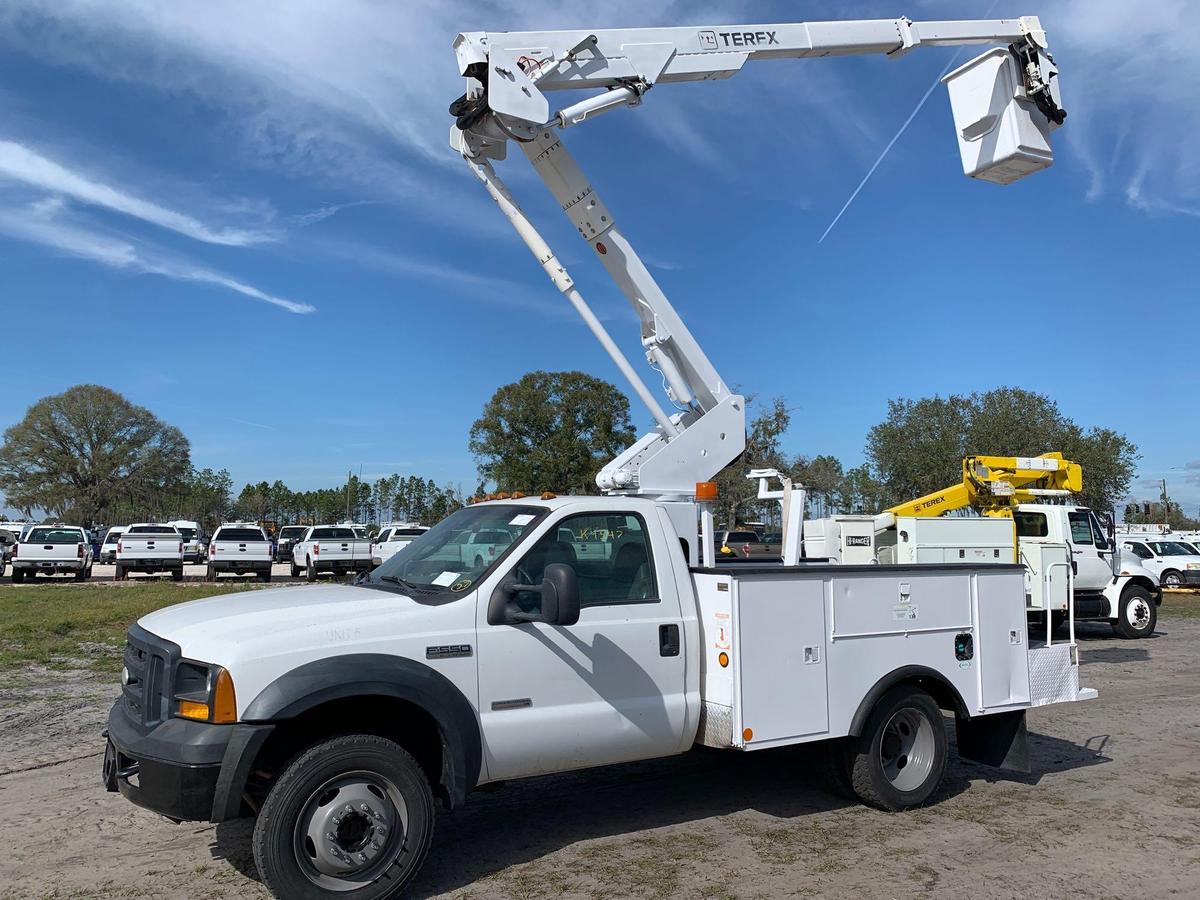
20 163
40 223
321 213
1129 84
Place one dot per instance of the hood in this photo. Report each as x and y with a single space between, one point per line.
275 621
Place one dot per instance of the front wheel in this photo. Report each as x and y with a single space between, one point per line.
1172 579
351 814
1138 615
900 759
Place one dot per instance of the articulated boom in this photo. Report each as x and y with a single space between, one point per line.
1005 104
997 484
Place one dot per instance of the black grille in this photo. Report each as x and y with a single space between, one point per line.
149 673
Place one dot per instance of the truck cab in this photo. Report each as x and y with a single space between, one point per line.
1107 584
1175 562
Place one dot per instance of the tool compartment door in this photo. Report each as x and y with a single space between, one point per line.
781 659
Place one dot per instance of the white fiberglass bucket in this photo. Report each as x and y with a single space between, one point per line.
1002 136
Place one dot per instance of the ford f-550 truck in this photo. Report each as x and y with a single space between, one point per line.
338 714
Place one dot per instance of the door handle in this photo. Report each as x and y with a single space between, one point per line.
668 640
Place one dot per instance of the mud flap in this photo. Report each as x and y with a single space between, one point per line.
999 740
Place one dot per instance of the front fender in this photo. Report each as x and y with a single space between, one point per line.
375 674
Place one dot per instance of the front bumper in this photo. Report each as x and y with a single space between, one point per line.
186 771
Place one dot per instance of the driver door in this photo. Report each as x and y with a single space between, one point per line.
1091 553
611 687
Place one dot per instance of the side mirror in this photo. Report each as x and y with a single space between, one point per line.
559 592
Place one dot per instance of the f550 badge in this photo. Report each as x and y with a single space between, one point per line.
448 651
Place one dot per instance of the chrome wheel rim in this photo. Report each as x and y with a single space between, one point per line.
351 830
906 750
1137 613
1173 580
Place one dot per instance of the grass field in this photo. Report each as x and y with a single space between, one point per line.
79 626
83 625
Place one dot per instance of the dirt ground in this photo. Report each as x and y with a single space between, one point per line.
1111 810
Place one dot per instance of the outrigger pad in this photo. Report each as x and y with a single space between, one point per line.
999 740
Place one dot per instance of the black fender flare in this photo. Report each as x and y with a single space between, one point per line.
378 674
916 674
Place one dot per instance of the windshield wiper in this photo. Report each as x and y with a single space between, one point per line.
407 585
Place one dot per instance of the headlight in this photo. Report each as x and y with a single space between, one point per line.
204 693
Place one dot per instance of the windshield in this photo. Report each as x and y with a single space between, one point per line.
54 536
188 533
1172 548
291 531
457 552
114 535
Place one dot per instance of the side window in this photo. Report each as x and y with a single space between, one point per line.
1081 529
610 555
1141 551
1031 524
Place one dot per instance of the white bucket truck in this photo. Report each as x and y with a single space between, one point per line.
337 714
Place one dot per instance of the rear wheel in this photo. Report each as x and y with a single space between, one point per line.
81 575
295 569
265 575
18 575
311 572
350 817
1138 615
119 574
900 759
177 574
211 573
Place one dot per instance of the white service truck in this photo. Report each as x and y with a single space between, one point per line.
52 550
193 540
337 714
150 547
240 548
335 549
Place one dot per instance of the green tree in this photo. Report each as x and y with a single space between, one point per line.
551 431
84 451
920 446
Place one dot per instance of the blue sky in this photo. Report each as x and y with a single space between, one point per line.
246 217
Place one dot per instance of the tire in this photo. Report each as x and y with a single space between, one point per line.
310 572
177 574
81 575
1137 615
265 577
210 574
900 759
295 569
119 574
1171 579
291 847
18 575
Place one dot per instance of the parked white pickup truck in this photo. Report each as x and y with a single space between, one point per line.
241 548
52 550
394 536
150 547
1176 563
193 540
330 548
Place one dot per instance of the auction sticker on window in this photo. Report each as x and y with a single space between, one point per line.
523 519
446 579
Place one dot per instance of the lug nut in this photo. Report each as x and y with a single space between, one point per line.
365 808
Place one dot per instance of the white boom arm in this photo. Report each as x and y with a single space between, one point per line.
1005 104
